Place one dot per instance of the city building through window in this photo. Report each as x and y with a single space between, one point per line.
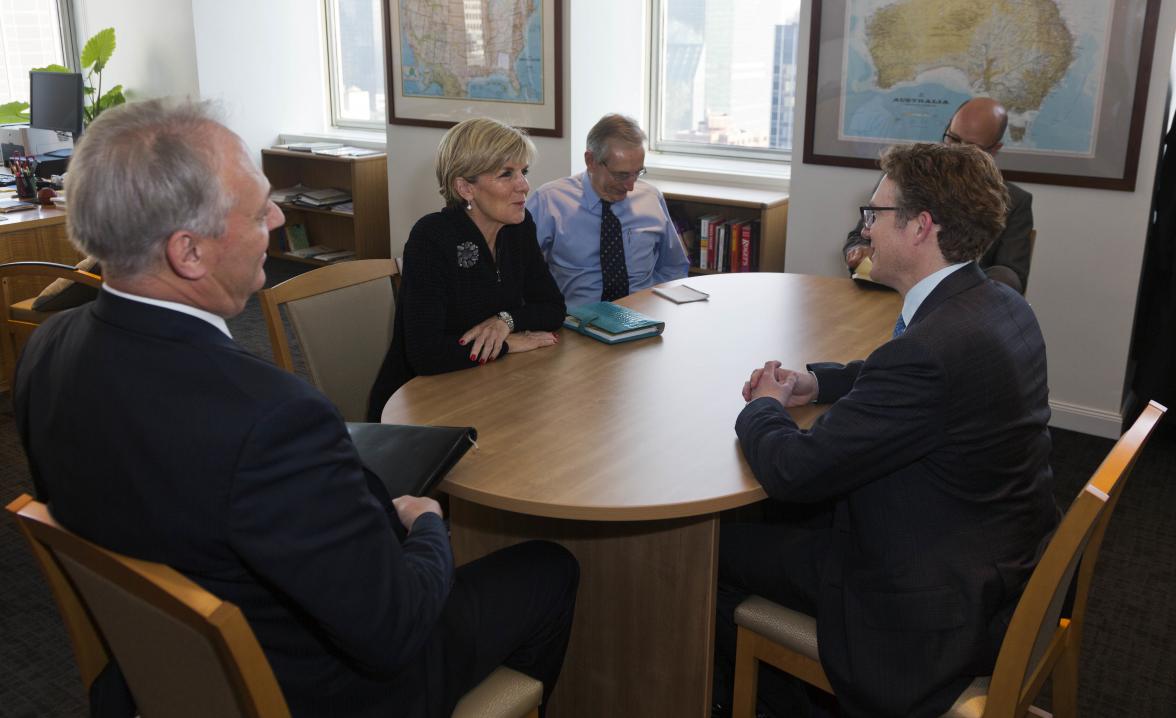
356 63
724 77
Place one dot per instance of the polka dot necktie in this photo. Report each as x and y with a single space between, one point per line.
899 327
614 273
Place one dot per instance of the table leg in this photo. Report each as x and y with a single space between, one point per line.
643 636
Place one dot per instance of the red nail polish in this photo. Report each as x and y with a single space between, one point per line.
461 342
473 357
481 361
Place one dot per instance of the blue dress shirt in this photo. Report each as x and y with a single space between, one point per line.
567 220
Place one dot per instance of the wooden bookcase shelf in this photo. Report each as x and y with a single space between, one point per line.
768 206
365 232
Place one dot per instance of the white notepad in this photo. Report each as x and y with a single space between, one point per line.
681 294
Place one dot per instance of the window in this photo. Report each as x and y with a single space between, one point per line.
724 77
355 49
33 33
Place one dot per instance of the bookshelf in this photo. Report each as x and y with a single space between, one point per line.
770 207
365 232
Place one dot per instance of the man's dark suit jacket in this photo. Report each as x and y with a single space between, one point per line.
935 455
1010 255
153 434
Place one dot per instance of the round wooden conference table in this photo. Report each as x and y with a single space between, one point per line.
626 454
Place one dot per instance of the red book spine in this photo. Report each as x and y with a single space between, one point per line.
745 248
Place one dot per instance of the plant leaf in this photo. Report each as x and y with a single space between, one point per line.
52 68
16 111
98 49
112 98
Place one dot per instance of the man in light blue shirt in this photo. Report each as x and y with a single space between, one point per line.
568 218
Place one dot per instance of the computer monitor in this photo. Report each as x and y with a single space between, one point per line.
55 101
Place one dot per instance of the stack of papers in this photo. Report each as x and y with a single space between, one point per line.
347 151
323 198
310 146
347 207
287 194
307 252
339 256
15 205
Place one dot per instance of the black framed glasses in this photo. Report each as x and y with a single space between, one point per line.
870 214
625 176
951 138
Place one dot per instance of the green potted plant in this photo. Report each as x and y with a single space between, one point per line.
95 55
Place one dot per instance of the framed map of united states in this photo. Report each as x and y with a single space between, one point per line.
449 60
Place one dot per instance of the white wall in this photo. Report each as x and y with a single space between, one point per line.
155 49
1086 262
264 60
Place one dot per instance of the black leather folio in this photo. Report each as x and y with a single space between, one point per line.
410 459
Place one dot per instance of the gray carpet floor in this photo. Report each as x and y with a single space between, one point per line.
1128 666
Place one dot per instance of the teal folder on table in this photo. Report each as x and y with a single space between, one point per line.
611 323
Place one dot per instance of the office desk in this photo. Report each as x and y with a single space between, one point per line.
34 234
626 454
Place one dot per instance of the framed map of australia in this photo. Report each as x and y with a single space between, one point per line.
449 60
1073 75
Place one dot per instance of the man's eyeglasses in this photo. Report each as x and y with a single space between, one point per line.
951 138
870 214
625 176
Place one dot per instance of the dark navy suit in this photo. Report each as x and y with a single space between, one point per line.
934 465
153 434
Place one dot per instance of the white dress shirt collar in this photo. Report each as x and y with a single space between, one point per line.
209 317
921 290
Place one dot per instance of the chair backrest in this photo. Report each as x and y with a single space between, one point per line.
183 651
1032 243
17 282
1038 633
342 315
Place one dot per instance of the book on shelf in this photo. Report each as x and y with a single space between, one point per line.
706 240
347 207
309 146
296 237
287 194
312 251
336 256
320 198
611 323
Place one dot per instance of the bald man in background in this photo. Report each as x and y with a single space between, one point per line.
981 122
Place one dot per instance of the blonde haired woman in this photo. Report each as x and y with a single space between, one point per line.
475 284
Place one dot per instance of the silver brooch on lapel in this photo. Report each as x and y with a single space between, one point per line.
467 255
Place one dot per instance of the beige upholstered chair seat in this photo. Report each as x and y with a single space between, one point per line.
23 311
793 629
505 693
798 631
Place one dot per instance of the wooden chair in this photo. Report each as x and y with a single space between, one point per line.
1032 244
342 315
1039 643
18 318
183 651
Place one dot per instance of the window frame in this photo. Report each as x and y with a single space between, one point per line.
688 151
335 73
71 52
